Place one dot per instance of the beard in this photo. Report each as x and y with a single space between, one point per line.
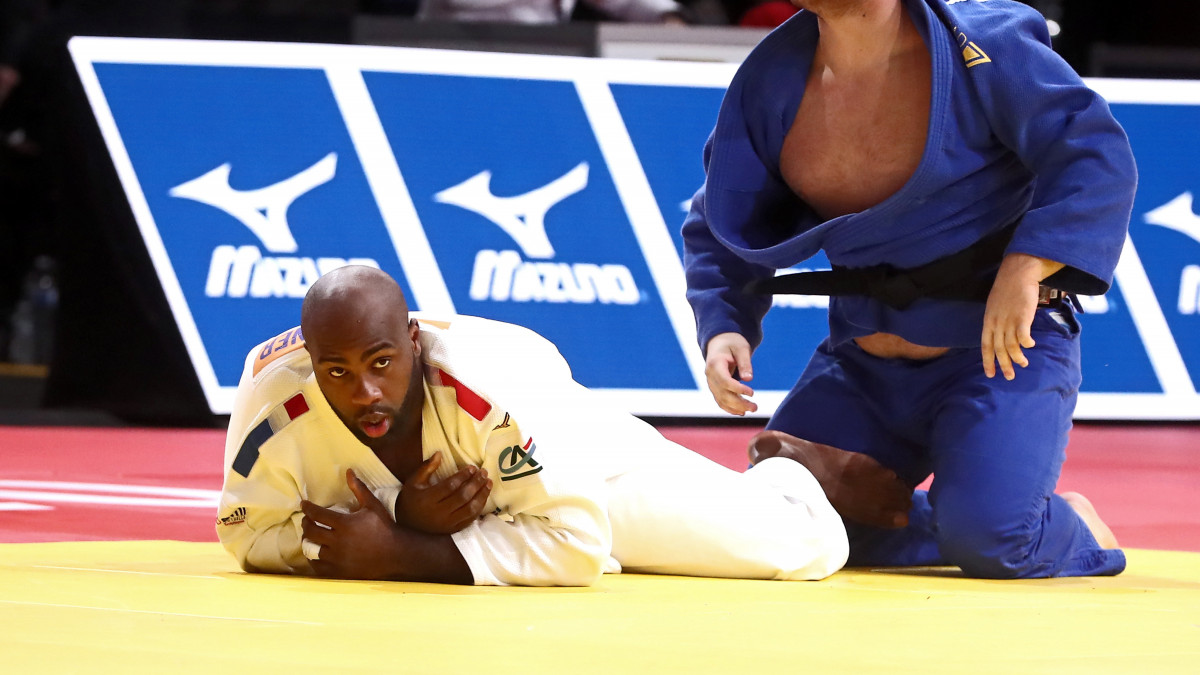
402 417
829 9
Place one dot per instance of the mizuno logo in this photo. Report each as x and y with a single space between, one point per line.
523 217
503 276
264 210
240 271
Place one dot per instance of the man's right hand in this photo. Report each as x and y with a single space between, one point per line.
728 354
445 507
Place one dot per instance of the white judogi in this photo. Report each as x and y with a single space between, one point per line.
578 488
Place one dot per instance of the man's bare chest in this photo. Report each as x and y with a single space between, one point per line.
854 144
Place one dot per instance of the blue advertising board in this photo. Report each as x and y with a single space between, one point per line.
544 191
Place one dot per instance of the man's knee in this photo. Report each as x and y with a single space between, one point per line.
989 546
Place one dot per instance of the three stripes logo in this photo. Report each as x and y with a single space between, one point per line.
517 462
238 516
972 54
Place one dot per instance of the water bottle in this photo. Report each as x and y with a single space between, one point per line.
32 322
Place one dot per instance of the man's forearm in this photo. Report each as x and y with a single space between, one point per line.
430 558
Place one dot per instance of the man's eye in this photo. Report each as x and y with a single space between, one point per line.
337 372
383 362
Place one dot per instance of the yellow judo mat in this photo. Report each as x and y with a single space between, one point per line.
163 606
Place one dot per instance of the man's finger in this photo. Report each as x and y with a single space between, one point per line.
322 568
745 370
719 380
470 488
1016 355
318 534
366 498
448 487
1005 364
324 516
1025 337
472 507
988 353
424 473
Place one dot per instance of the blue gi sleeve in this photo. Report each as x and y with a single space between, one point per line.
716 278
1065 134
741 203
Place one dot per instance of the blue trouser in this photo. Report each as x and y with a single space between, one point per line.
994 447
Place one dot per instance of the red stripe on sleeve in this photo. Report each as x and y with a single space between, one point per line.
295 406
467 400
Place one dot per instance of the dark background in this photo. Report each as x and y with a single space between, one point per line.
105 346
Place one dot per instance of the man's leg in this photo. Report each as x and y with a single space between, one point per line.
680 513
998 448
834 414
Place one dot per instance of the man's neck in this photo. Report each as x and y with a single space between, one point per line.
403 451
862 35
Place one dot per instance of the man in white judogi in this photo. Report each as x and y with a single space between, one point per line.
374 445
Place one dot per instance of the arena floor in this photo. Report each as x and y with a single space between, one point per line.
109 564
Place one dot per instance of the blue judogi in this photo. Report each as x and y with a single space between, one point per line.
1014 136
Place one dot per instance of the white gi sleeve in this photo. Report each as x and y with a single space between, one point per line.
259 518
550 527
262 529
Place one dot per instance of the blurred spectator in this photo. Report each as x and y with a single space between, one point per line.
24 191
551 11
766 14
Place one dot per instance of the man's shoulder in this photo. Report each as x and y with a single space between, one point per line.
286 348
998 19
493 362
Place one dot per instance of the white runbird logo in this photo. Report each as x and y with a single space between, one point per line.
523 217
263 210
241 271
1178 215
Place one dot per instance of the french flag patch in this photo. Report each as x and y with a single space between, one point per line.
275 421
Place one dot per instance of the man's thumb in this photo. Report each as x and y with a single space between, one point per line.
742 358
366 498
424 473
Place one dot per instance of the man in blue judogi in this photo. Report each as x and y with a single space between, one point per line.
964 183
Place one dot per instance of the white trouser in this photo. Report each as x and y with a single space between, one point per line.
680 513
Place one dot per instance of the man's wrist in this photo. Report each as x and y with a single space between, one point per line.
1031 267
426 557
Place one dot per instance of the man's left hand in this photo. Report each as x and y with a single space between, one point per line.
362 544
1011 306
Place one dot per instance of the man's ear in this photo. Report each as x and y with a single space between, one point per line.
414 333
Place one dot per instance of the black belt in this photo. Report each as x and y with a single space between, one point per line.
953 277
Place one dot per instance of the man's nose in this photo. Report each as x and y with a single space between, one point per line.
367 392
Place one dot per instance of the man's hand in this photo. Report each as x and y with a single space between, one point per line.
362 544
727 354
445 507
1008 317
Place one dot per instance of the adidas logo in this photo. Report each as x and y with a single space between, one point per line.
238 516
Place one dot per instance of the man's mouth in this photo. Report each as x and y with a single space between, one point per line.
375 424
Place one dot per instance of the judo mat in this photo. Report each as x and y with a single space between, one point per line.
154 606
110 564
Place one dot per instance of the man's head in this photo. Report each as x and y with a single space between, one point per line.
836 9
365 352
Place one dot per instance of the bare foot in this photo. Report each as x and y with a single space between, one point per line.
1104 536
861 489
